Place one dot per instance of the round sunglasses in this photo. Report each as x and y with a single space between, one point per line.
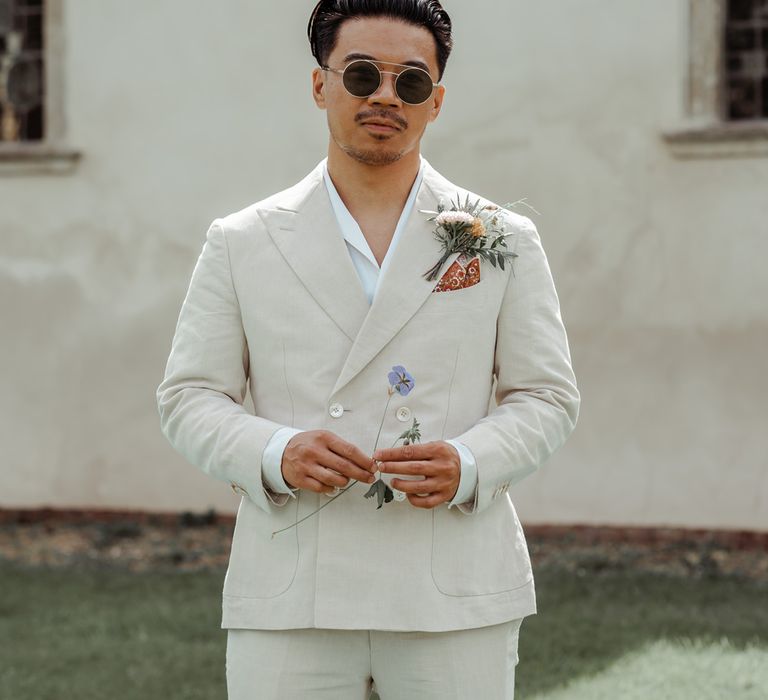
362 78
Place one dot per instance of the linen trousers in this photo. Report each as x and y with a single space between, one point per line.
333 664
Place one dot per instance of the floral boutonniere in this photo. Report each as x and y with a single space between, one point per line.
473 229
400 382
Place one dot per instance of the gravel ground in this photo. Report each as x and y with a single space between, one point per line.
195 541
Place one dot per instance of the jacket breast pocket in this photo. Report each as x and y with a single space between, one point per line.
473 298
261 566
481 554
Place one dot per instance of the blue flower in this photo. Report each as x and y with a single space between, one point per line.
401 380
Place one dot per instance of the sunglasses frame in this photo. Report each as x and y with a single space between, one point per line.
405 68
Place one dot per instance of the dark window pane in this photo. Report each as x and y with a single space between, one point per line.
32 124
19 22
733 63
25 84
6 16
740 39
740 9
752 64
742 99
765 98
33 41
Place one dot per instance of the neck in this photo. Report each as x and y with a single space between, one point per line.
379 186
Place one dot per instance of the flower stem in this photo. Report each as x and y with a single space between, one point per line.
375 444
346 488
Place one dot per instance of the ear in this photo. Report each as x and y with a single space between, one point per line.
437 102
318 87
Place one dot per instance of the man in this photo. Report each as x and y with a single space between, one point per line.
318 296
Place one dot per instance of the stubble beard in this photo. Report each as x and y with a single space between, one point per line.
370 156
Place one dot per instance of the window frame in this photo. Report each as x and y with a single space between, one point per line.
705 132
52 153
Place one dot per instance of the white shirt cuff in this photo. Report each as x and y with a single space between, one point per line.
468 479
272 459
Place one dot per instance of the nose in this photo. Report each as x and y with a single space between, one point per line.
386 93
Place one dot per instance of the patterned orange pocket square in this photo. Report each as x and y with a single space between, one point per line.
459 275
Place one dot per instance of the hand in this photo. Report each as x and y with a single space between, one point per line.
319 460
438 462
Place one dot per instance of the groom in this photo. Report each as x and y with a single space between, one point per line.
316 301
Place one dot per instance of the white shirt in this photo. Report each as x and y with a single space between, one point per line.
370 275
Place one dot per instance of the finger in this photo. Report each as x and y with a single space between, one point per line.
410 468
425 450
429 501
416 485
351 453
327 477
330 460
314 485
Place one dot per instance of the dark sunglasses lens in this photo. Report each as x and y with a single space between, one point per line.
361 78
414 86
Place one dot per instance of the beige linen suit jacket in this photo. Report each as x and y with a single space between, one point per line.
275 307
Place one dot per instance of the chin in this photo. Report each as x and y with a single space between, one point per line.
373 156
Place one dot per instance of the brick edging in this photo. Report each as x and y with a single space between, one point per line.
660 535
86 516
575 534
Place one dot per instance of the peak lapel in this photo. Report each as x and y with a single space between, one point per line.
311 242
402 288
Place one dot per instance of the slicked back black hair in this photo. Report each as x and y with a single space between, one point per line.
329 15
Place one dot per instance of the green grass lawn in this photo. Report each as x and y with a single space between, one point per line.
91 634
630 636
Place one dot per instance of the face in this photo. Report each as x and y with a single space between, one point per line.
379 129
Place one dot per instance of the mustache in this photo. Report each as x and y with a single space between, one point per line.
383 114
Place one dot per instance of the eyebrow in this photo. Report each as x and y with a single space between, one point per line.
365 56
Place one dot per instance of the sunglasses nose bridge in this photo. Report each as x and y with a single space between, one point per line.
387 86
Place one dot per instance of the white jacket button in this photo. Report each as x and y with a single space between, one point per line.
336 410
403 413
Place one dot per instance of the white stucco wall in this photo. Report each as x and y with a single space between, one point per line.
185 116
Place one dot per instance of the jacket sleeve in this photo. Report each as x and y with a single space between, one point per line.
536 394
200 399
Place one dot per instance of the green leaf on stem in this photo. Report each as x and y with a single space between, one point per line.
382 492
